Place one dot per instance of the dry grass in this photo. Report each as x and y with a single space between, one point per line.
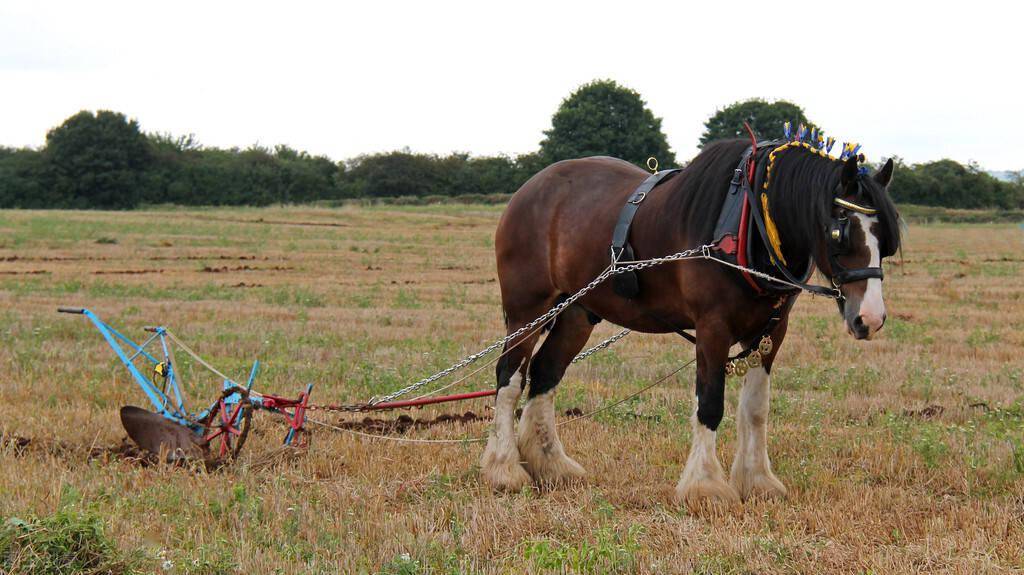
880 480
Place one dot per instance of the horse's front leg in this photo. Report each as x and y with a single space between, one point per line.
751 469
703 477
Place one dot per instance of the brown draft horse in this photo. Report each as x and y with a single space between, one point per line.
554 238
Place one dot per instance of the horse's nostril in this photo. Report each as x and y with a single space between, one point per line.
859 322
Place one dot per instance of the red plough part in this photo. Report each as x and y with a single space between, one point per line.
430 400
228 422
296 419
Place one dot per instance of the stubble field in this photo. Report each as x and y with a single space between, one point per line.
901 455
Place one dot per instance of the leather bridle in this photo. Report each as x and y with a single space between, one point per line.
838 239
839 244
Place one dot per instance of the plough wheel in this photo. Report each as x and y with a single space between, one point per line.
227 427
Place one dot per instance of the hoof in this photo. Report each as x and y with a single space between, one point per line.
509 477
707 490
503 476
758 484
556 470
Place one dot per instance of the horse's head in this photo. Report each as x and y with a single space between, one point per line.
864 230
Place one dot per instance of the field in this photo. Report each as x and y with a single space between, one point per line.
901 455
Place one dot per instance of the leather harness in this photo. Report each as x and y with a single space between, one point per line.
740 237
627 284
740 222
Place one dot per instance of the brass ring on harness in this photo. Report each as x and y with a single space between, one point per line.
754 359
766 345
652 164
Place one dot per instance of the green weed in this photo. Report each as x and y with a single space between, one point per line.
66 542
407 299
608 552
296 296
204 560
404 564
906 332
982 336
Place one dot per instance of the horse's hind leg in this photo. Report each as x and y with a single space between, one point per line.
539 444
500 465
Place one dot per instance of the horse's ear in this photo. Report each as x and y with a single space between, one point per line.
849 171
884 176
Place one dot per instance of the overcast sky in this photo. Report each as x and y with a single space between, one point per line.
918 80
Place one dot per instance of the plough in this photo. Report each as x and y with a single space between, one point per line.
216 433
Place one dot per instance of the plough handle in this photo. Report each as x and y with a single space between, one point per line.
78 310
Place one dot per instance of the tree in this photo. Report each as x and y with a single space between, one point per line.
394 174
767 119
98 160
403 173
950 184
603 118
25 181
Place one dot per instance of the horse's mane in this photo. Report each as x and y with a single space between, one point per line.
702 187
800 193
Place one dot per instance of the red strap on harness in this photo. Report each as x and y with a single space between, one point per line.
752 161
741 253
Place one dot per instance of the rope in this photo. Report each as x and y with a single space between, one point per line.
601 409
195 356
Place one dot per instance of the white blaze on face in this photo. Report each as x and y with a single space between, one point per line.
872 307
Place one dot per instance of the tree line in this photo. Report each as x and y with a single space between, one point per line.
103 160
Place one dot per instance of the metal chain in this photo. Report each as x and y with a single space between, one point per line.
585 354
616 268
700 252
